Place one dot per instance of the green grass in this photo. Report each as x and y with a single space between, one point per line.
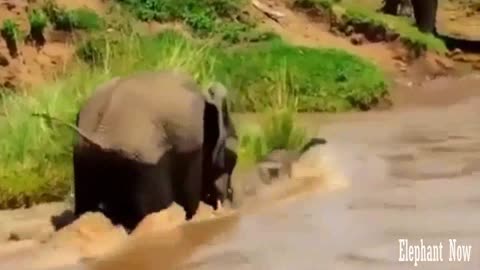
274 74
35 158
206 18
11 34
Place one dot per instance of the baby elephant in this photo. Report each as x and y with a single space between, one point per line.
146 141
279 162
222 170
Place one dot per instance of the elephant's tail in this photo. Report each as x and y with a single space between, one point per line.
78 130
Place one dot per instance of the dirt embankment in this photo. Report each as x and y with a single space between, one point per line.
397 56
303 27
34 65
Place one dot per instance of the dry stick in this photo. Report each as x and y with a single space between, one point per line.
273 14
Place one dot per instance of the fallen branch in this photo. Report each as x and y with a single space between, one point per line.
273 14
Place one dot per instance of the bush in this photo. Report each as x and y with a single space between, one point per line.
10 33
272 74
38 21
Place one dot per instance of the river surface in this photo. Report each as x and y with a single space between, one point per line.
414 173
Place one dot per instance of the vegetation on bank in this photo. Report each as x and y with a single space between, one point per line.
365 16
35 157
9 33
223 19
275 74
263 74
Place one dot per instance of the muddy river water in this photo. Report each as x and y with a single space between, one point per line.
413 173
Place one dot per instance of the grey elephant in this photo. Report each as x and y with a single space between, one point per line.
279 162
222 170
146 141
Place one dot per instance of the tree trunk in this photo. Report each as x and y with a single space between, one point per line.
390 7
425 12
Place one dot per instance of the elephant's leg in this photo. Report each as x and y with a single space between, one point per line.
230 164
86 194
192 182
151 191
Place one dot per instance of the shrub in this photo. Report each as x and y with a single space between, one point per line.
38 21
10 33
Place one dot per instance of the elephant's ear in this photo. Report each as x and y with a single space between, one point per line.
216 99
211 129
217 93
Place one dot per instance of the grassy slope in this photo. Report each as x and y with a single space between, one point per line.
35 157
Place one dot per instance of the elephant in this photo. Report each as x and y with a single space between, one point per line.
148 140
221 189
279 162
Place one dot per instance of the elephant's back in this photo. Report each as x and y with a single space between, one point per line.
91 113
150 112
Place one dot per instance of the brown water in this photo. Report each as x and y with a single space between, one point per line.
414 173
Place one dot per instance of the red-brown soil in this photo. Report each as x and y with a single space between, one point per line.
33 66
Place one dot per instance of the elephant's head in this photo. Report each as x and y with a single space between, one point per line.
219 139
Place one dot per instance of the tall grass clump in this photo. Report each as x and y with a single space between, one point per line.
9 33
38 21
35 157
278 131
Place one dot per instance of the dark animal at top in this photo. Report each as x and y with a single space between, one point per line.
146 141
